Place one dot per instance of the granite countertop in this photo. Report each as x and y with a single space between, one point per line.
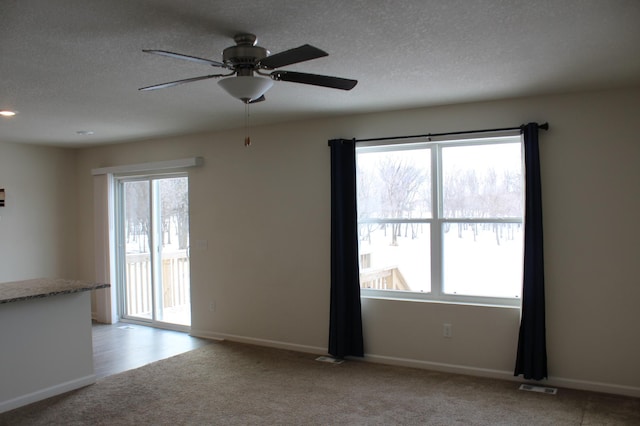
44 287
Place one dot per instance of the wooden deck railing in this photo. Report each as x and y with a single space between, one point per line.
389 278
175 282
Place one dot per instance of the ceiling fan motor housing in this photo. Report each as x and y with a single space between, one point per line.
245 55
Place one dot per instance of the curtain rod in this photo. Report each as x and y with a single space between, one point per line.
543 126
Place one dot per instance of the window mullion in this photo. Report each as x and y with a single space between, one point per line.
154 243
436 211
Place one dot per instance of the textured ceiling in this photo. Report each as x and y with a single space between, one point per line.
75 65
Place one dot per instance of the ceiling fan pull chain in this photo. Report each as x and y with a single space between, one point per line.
247 138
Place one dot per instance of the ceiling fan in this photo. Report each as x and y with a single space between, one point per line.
252 70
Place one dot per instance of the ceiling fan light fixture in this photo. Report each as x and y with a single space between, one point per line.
246 88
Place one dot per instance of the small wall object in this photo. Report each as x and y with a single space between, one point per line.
1 197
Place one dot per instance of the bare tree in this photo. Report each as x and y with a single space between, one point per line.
477 194
401 185
174 204
137 214
368 204
174 212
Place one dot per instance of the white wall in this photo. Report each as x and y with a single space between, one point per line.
265 213
38 223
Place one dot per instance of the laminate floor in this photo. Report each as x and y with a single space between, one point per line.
120 347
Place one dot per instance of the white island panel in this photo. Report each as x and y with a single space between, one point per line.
45 348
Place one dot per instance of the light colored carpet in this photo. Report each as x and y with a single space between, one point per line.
232 383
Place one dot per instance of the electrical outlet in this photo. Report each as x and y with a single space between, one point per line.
212 306
447 330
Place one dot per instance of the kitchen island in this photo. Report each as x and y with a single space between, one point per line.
45 339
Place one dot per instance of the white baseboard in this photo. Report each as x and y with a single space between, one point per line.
46 393
441 367
507 375
206 335
586 385
259 342
434 366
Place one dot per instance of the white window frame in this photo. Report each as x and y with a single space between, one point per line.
436 221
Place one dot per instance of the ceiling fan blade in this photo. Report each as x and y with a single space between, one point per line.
314 79
177 82
186 57
292 56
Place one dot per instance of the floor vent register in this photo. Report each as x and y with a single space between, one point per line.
539 389
329 359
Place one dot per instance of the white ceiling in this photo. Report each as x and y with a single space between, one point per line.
75 65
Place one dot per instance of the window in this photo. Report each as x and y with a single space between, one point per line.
442 220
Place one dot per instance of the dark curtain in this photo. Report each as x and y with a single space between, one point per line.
531 359
345 327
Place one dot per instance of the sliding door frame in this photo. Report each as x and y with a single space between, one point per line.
153 180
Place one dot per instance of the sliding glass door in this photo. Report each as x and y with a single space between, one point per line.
153 258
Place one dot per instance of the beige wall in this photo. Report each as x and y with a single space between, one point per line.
265 214
37 225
